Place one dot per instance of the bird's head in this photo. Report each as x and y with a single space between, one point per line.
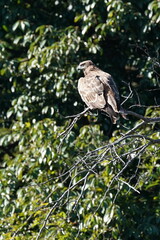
85 64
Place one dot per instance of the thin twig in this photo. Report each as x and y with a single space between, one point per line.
130 186
129 95
79 114
144 106
65 133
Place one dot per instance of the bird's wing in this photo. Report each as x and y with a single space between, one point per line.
111 93
91 90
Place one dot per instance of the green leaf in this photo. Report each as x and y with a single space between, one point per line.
15 25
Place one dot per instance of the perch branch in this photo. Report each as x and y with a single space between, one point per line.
145 119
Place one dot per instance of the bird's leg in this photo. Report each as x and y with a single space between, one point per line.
123 113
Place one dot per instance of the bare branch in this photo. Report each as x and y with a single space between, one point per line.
65 133
145 119
144 106
79 114
129 95
126 183
135 128
60 199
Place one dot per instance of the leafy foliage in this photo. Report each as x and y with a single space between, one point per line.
76 178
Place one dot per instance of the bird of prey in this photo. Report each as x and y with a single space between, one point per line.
98 90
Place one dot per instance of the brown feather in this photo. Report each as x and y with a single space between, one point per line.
98 90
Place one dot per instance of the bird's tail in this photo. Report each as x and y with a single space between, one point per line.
114 116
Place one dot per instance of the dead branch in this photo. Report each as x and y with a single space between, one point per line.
79 115
129 95
65 133
145 119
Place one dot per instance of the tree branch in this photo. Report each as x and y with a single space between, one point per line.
145 119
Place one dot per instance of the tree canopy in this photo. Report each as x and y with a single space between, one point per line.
67 175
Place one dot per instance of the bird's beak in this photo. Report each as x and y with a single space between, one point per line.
78 68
